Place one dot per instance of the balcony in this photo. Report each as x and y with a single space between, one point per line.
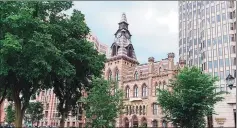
135 99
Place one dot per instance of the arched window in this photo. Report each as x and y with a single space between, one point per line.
129 51
164 124
140 110
136 75
154 123
127 92
117 75
144 110
144 90
133 110
126 111
114 51
110 75
137 109
135 91
155 109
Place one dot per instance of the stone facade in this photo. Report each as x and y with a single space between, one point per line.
226 111
139 81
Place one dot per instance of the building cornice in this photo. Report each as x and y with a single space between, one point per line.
124 58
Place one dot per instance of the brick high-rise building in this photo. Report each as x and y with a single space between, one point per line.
207 39
139 81
100 47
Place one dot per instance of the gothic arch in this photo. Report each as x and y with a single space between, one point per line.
137 110
114 48
140 110
144 122
134 121
164 124
144 110
154 123
126 122
130 50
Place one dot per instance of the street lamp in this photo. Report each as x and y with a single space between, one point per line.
230 80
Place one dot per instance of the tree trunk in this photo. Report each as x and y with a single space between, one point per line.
62 120
18 109
37 124
19 115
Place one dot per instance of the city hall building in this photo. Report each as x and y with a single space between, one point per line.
139 81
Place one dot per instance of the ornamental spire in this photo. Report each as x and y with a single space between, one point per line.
123 18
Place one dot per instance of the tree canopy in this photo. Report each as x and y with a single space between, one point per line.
103 104
192 98
42 47
10 114
34 112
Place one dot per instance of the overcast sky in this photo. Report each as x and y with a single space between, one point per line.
153 24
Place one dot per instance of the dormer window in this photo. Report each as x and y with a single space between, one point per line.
136 75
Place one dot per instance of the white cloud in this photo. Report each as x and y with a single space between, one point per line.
154 25
171 20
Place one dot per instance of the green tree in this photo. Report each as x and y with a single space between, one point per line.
80 56
191 100
103 104
32 49
34 112
10 114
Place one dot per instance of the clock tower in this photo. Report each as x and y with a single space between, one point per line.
122 55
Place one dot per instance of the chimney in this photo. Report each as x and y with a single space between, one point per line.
151 64
171 60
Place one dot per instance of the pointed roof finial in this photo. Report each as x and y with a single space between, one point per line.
123 18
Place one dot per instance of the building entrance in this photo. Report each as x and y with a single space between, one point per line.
134 122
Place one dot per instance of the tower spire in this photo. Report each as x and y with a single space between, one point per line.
122 46
123 18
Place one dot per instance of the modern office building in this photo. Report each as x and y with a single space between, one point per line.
207 39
